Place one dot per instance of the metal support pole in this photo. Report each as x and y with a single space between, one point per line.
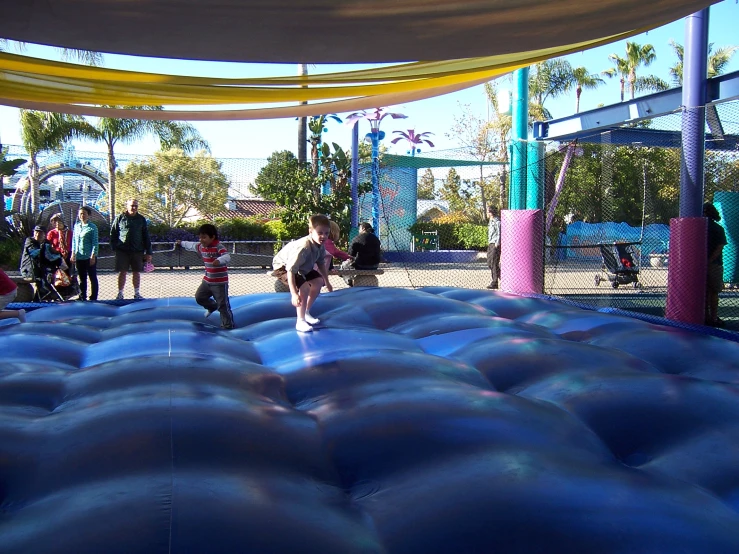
519 136
695 75
376 181
535 179
355 179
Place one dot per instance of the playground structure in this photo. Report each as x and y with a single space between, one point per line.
66 163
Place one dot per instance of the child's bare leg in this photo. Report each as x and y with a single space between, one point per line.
13 314
304 293
315 289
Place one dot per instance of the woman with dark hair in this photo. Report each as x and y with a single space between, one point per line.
60 237
715 275
85 252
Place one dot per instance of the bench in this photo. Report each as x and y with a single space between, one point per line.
363 278
25 289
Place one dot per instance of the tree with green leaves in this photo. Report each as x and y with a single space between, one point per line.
584 80
718 61
477 137
41 132
8 168
292 186
548 79
172 185
111 131
453 192
637 55
427 186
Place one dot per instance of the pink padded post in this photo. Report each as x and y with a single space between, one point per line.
522 251
686 277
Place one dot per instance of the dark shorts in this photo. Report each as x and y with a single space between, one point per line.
300 279
125 260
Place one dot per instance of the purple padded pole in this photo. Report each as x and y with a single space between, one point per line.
522 251
686 279
695 75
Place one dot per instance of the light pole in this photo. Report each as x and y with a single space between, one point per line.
375 135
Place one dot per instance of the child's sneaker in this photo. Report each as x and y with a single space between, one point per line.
303 326
137 296
312 320
22 316
120 296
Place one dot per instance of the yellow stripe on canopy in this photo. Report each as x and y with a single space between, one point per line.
64 87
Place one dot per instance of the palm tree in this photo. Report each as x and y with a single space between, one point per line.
87 57
621 69
317 126
413 138
584 80
718 61
548 79
179 135
637 55
111 131
42 131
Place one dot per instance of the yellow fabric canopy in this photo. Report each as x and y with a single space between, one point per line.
63 87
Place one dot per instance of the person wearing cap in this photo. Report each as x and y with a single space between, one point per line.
129 238
38 256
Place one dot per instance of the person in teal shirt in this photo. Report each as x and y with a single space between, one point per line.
85 252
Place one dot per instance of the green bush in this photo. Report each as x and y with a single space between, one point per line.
472 237
10 253
455 236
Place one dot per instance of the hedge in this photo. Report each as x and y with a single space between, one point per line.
455 236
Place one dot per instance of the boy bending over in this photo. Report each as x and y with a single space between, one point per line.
215 281
293 265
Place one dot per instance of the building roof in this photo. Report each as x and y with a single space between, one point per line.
248 208
424 206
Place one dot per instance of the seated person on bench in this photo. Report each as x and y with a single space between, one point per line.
366 251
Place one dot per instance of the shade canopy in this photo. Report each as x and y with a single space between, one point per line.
327 31
479 41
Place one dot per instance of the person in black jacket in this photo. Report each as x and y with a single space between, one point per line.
366 248
129 238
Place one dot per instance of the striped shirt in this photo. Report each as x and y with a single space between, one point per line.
216 251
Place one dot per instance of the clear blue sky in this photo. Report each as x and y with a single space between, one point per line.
258 139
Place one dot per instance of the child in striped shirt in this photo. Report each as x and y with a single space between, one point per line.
212 294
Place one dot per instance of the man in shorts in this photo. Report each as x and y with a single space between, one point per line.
129 238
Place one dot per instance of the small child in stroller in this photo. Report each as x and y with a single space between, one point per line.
40 263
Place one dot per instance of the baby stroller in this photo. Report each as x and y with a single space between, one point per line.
40 265
618 265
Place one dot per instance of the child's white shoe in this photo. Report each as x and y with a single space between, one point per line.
303 326
22 316
312 320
